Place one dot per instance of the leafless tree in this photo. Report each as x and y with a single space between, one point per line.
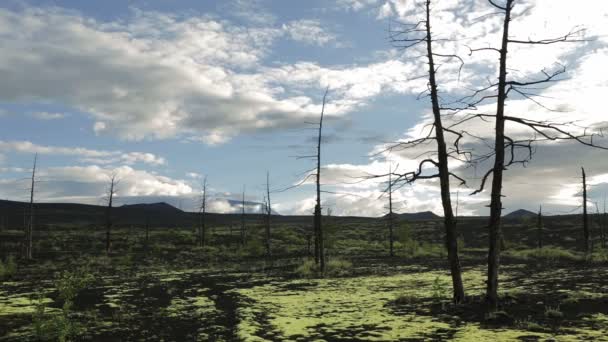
110 198
243 218
542 130
411 35
318 229
603 225
30 227
268 208
539 227
391 215
585 216
202 213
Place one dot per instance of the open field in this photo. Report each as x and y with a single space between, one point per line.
170 290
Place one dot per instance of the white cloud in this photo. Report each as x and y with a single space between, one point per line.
308 31
88 155
197 78
48 116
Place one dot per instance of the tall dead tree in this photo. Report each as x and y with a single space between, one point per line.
318 229
539 227
603 225
586 242
243 218
202 215
268 215
412 35
391 217
542 130
110 198
30 227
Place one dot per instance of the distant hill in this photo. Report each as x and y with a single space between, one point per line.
161 207
421 216
520 214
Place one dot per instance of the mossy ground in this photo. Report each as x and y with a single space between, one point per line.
173 291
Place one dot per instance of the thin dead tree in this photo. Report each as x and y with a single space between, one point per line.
586 235
243 218
603 226
539 227
391 215
318 229
202 215
268 208
30 226
110 198
420 34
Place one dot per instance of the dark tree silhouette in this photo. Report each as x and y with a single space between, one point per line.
586 242
29 231
409 36
243 218
110 198
318 229
268 207
539 227
202 212
542 130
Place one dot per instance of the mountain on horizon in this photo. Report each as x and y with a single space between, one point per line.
520 214
423 215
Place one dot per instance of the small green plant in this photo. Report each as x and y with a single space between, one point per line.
60 326
439 289
553 312
8 268
308 269
336 267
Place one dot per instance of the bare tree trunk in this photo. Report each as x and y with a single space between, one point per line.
268 214
243 219
444 175
109 212
319 248
539 227
30 226
203 216
603 225
391 237
585 216
497 170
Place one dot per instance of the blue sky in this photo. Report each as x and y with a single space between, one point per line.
165 92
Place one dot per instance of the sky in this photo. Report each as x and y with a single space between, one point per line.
164 93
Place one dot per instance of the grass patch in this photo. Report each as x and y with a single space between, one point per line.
548 253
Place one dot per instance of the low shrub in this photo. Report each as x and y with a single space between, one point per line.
546 253
8 268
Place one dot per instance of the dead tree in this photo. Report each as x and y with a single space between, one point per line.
318 229
30 227
603 226
420 34
110 198
202 214
391 218
243 218
539 227
268 215
586 242
504 148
